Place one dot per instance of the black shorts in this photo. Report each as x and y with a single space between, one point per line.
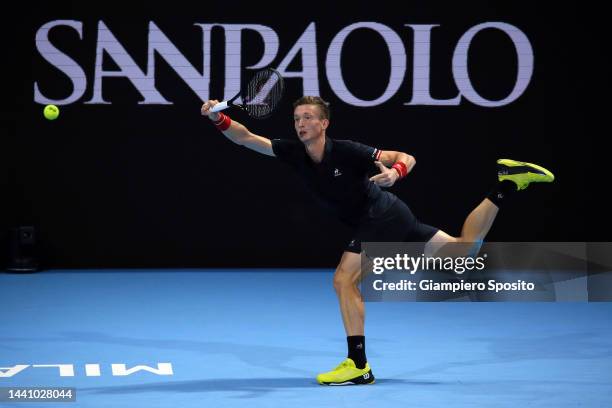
397 224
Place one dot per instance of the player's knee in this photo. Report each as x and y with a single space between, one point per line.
343 280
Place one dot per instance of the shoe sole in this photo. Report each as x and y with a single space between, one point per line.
353 381
346 383
515 163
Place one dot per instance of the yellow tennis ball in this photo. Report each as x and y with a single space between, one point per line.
51 112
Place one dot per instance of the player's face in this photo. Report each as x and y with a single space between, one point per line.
308 123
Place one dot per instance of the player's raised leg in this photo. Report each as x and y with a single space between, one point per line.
512 176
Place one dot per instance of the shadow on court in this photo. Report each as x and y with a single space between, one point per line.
571 346
272 357
253 387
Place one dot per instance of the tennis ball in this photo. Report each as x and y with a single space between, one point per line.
51 112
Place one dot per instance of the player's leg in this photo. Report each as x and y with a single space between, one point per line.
512 176
479 221
346 279
354 369
475 228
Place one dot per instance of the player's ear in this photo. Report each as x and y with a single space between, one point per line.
325 123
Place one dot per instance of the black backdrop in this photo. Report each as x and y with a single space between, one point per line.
135 185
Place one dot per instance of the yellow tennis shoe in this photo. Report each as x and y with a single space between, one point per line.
522 173
346 374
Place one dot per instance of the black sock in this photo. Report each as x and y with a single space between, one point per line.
501 191
356 350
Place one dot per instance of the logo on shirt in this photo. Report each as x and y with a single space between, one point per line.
337 173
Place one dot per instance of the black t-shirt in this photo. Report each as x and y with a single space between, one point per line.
341 182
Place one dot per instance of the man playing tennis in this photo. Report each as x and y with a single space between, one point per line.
337 171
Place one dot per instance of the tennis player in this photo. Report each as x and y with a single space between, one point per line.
338 173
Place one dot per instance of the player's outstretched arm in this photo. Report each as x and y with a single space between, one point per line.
237 132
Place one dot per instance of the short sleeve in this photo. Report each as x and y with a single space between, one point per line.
365 154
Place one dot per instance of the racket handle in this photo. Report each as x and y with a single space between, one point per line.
219 107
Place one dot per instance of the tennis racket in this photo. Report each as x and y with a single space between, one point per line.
260 97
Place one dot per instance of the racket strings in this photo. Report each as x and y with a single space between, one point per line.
264 93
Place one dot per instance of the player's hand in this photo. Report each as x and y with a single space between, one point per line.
205 110
387 176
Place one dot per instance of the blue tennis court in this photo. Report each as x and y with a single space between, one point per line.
230 338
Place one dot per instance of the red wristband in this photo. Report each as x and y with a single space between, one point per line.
401 169
223 123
